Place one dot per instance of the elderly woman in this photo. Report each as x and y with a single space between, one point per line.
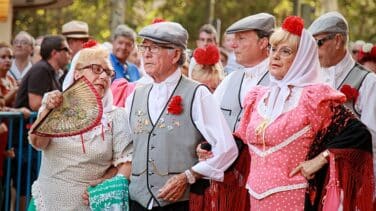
208 68
66 170
295 127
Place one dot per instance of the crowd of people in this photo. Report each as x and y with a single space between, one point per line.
278 118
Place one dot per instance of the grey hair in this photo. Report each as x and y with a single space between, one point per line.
183 55
125 31
30 38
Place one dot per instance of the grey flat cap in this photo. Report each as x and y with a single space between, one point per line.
331 22
261 21
166 33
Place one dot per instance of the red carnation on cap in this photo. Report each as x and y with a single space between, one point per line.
206 56
294 25
157 20
90 44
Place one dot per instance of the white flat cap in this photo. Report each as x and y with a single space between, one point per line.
331 22
261 21
166 33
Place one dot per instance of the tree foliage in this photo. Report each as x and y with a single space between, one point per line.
190 13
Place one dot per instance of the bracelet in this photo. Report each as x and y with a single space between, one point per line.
190 178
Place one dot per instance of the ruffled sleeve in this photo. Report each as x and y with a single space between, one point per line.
320 101
249 105
122 143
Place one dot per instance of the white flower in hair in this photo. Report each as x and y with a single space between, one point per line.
367 47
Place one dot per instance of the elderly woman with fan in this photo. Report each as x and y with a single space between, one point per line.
307 151
72 160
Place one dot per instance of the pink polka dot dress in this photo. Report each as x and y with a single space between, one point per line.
278 146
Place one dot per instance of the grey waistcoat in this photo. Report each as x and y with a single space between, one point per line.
355 79
231 102
164 149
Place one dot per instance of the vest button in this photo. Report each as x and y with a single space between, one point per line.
152 147
153 134
151 173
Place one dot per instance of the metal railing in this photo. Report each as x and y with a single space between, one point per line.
18 125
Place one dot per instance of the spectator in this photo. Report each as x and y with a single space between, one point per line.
23 47
123 43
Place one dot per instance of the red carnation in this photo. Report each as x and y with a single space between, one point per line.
350 92
157 20
175 106
294 25
206 56
90 44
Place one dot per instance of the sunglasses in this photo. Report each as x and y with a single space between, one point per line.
321 42
64 49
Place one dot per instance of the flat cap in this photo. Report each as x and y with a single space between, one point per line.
166 33
76 29
331 22
261 21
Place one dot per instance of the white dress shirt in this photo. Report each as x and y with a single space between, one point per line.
252 76
366 102
209 120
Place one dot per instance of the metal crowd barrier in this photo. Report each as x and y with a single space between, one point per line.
15 121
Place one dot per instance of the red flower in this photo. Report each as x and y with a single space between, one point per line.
206 56
350 92
294 25
175 106
90 44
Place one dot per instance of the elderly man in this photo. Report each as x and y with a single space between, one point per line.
341 71
123 43
251 40
23 47
168 118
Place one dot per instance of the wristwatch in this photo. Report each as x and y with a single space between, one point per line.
190 178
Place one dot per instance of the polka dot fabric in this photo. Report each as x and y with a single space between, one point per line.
284 143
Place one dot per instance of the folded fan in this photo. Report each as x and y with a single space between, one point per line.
80 111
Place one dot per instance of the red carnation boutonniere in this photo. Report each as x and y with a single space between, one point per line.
175 106
350 92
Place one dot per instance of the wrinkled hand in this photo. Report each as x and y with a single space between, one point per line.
54 99
310 167
10 153
111 172
203 154
174 188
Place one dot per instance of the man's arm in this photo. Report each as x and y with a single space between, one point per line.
35 101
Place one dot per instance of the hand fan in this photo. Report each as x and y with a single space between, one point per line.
80 111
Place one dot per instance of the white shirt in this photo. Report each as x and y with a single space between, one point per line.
252 76
16 73
366 103
209 120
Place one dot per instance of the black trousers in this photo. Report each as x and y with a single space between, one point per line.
178 206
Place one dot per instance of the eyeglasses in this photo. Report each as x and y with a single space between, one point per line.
21 42
152 48
5 56
321 42
98 69
283 51
64 49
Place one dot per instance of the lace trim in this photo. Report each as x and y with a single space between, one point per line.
281 145
275 190
37 195
122 159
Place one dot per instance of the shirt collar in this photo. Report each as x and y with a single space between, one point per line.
172 79
258 69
